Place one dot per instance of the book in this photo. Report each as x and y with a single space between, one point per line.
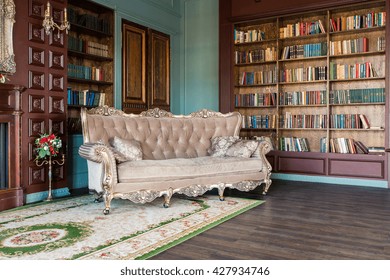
361 148
366 124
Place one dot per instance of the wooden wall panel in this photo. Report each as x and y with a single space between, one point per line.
40 67
134 67
159 69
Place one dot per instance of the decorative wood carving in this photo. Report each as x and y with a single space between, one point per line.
56 39
58 173
36 175
56 105
36 56
36 103
58 15
56 126
56 60
36 80
56 82
36 9
7 19
36 127
36 33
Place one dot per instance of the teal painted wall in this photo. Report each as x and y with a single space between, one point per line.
193 27
199 54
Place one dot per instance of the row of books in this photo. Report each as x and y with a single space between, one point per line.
358 45
255 99
258 77
259 121
253 56
351 71
310 73
289 120
89 21
357 121
350 146
303 97
294 144
86 97
253 35
381 43
301 29
86 72
307 50
89 47
368 20
351 96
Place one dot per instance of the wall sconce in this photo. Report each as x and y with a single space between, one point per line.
49 24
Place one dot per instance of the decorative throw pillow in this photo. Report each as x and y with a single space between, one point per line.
220 144
242 148
126 150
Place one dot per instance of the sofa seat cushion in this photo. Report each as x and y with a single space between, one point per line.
185 168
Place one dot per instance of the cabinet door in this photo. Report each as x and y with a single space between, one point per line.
134 82
159 60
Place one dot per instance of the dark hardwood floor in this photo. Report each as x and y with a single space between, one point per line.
300 221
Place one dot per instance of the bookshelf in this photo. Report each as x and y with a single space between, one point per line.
315 83
90 59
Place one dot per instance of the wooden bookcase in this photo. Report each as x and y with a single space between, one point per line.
90 59
308 85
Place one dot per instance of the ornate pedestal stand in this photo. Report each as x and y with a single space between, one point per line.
50 162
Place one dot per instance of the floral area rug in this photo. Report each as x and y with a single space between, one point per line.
75 228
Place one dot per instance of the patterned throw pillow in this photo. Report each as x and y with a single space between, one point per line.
126 150
242 148
220 144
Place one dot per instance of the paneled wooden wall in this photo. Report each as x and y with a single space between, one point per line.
40 67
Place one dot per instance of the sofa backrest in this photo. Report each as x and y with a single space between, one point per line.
161 134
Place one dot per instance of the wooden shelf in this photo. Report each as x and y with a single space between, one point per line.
89 56
82 29
256 63
267 41
90 82
257 85
303 58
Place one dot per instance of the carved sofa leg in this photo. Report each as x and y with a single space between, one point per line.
167 198
267 182
107 202
221 189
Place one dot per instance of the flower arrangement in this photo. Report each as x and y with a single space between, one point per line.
47 145
3 78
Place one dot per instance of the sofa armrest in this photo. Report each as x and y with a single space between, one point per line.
102 169
264 148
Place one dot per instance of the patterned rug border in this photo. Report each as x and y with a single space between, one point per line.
199 231
154 248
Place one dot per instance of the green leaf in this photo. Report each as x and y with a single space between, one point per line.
42 153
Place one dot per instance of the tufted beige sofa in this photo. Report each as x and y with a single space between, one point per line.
175 155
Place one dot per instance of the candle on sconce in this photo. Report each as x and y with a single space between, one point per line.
47 9
65 15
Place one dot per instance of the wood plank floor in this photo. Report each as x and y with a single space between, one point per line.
300 221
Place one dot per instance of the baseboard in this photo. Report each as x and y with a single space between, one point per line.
331 180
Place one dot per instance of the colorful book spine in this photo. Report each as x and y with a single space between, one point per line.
255 99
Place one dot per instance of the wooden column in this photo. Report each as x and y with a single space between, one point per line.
10 113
